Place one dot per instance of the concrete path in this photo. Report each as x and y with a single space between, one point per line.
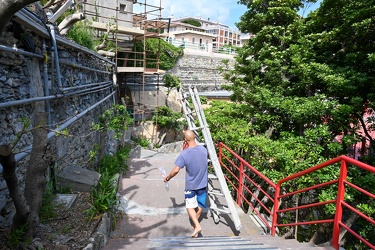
151 211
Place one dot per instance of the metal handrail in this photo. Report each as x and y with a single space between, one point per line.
340 200
241 197
341 183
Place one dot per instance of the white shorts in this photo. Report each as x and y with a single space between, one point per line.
190 200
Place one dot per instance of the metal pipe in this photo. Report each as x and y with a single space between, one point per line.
73 65
83 86
56 54
51 97
46 85
20 52
27 150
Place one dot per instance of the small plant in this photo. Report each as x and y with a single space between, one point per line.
104 196
144 143
16 238
64 190
65 229
47 210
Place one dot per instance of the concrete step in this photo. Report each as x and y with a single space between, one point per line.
206 243
77 178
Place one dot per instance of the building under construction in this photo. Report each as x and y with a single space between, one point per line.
126 25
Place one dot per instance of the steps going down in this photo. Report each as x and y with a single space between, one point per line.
217 242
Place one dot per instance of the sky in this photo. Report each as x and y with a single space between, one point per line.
227 12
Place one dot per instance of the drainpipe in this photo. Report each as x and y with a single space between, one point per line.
115 85
56 56
46 85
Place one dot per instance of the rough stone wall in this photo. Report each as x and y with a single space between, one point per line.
70 105
201 70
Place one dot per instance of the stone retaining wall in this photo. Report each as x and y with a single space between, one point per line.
22 78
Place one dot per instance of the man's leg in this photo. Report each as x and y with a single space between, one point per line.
199 212
194 218
201 199
191 206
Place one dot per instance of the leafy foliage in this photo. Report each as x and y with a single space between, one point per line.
192 22
167 119
115 119
159 52
171 81
115 163
103 197
297 85
83 34
143 142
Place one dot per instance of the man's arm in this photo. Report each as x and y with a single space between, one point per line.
174 171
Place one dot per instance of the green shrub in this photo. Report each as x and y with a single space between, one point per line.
103 197
157 49
83 34
144 143
116 163
168 119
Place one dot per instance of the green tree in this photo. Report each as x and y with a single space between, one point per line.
343 38
304 81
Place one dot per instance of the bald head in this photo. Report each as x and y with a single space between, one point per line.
189 135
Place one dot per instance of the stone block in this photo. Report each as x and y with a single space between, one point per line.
65 200
78 178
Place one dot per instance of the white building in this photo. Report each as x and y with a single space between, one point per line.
213 34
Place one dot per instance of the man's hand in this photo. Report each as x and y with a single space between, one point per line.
165 179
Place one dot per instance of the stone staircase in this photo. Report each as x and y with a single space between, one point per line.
156 218
235 242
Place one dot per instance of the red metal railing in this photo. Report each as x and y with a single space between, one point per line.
242 178
240 170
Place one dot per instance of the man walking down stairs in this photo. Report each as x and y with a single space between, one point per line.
154 217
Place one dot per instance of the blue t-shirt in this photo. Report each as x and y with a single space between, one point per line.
195 160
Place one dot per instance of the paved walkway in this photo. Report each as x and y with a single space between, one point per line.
151 211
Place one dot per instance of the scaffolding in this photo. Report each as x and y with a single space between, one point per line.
128 24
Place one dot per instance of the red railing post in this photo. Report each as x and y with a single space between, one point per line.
240 185
275 209
339 200
220 152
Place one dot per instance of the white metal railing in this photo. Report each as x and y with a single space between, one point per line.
202 47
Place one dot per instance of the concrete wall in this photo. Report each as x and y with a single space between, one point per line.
105 11
22 78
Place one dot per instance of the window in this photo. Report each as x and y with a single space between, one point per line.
122 8
193 40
